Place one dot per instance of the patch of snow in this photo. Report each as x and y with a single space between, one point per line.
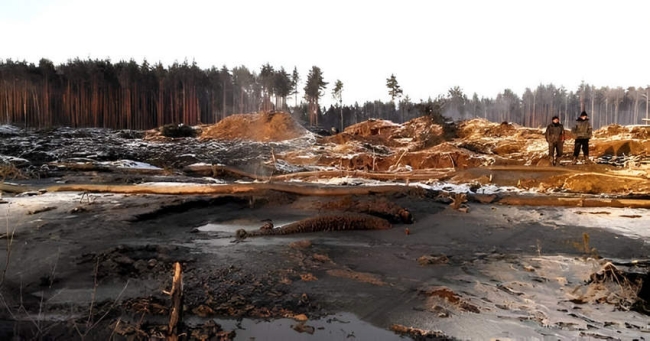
286 167
465 188
351 181
13 159
7 129
630 222
213 180
62 200
203 164
129 164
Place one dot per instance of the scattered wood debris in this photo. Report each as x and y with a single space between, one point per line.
431 259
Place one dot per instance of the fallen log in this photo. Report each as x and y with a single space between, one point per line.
337 222
15 188
221 170
310 189
571 201
292 188
533 169
176 309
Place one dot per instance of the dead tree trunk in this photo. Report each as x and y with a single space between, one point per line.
176 310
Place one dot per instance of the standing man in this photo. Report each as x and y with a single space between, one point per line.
555 138
582 133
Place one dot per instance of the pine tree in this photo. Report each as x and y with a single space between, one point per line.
313 91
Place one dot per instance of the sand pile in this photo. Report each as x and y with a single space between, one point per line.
601 147
261 127
421 130
372 127
627 132
417 133
444 155
478 128
373 131
593 183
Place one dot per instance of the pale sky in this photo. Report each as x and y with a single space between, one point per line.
482 46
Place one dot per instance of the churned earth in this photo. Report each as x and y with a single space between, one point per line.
385 231
98 266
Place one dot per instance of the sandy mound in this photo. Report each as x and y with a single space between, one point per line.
372 127
415 134
372 131
478 127
619 147
629 132
598 183
262 127
421 130
444 155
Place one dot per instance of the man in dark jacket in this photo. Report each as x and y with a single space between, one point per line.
555 138
582 133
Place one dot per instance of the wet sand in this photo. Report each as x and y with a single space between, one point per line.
496 271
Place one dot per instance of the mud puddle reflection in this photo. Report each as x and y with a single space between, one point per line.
341 326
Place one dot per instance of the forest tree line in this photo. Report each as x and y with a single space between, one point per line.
129 95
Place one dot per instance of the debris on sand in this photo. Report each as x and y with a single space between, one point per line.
301 244
261 127
41 210
321 258
303 328
147 331
441 292
308 277
363 277
419 334
611 285
458 202
431 259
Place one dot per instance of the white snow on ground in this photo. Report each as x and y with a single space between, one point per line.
202 164
437 186
129 164
630 222
13 159
19 206
7 129
465 188
341 181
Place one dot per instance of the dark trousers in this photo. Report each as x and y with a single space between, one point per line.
554 147
581 143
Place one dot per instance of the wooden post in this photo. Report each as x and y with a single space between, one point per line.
175 313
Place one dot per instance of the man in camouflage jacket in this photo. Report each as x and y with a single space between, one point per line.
555 137
582 133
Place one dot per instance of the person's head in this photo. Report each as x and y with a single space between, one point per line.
583 115
555 119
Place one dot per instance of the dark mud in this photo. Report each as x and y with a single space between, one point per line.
508 271
60 144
